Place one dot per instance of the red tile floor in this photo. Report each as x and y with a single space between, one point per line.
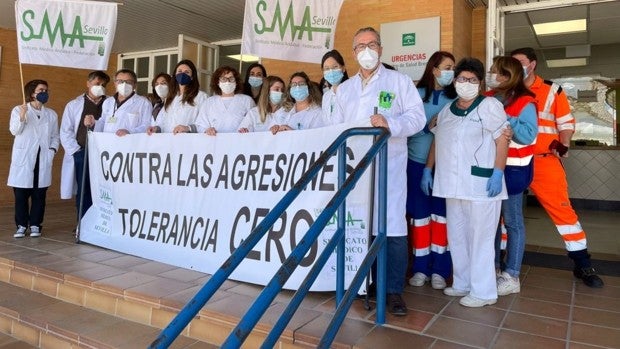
553 309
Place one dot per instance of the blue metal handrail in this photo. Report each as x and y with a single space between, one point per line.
247 323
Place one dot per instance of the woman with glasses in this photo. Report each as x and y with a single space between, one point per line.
261 117
427 225
302 108
180 111
224 111
334 73
506 81
469 156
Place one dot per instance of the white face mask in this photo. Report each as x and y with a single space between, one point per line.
162 91
124 89
525 72
466 90
97 90
491 80
227 87
368 58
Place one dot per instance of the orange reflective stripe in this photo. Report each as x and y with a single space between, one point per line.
574 237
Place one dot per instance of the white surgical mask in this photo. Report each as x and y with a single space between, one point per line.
124 89
491 80
445 78
162 91
368 58
466 90
525 72
275 97
97 90
227 87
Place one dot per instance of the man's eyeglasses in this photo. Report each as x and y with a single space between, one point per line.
120 81
373 45
229 79
462 79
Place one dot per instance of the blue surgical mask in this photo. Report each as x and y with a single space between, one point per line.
275 97
255 81
333 76
183 79
42 97
299 93
445 78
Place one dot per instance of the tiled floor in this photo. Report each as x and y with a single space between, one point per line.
553 309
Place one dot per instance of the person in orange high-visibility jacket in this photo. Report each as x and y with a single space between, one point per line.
556 126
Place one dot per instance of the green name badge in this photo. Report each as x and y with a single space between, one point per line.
385 99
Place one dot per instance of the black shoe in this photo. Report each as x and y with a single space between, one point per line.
589 277
396 305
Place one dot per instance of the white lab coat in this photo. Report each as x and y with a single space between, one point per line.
311 117
405 117
179 113
465 141
253 123
29 135
328 104
224 116
69 124
134 115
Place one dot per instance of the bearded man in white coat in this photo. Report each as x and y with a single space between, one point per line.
388 99
73 140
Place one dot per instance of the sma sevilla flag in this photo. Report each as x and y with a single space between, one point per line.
75 34
292 30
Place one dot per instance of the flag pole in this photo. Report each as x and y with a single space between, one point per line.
21 77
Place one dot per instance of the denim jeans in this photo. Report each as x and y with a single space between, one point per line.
397 260
512 211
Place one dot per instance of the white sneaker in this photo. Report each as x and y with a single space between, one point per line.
21 232
473 302
438 282
35 232
449 291
507 284
418 279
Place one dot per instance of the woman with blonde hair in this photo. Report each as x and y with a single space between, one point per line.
261 117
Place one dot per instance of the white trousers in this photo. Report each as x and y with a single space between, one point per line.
471 229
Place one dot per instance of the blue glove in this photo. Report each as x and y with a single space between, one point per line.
494 185
426 184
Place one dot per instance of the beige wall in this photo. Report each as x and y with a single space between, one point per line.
462 33
64 85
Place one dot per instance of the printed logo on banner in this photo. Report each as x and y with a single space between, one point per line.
309 23
80 33
408 39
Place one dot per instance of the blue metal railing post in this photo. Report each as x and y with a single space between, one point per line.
175 327
342 211
382 259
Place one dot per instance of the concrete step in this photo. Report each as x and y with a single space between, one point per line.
30 319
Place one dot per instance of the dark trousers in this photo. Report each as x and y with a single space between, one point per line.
81 169
30 202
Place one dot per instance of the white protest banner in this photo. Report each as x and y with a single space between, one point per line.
408 45
292 30
75 34
189 200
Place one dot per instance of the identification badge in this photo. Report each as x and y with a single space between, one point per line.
385 99
112 120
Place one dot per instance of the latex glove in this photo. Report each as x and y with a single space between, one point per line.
494 185
426 184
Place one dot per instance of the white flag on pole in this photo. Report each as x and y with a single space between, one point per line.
293 30
76 34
